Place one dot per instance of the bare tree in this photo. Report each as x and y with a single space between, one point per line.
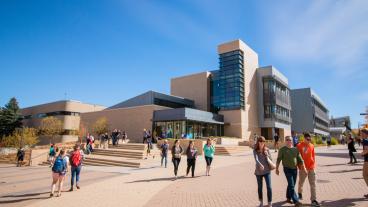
100 126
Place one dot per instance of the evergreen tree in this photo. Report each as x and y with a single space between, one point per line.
10 118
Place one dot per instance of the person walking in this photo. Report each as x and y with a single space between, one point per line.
106 141
263 170
149 144
295 139
52 154
176 152
124 137
20 157
164 150
306 150
351 148
191 153
364 134
58 172
209 152
291 159
276 140
76 159
145 135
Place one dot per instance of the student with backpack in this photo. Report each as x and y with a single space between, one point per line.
75 159
58 172
191 158
176 152
164 150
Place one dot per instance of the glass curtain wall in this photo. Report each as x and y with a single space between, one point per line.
186 129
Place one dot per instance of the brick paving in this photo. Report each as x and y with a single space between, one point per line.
232 183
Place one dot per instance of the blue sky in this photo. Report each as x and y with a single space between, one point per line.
104 52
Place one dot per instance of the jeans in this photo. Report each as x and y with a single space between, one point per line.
162 159
191 164
291 175
267 178
176 162
75 171
352 156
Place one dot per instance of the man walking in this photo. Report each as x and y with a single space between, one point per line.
306 150
364 133
291 159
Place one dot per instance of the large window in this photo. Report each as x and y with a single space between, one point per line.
227 85
55 113
186 129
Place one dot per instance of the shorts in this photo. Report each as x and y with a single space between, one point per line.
208 160
57 176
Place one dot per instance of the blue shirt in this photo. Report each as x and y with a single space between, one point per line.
295 140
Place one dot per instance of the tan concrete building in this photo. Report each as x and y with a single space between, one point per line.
68 111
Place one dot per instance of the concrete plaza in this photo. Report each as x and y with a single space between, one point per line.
232 183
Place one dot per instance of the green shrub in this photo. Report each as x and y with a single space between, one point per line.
334 141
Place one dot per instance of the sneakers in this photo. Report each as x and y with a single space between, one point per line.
71 189
260 203
289 201
315 203
300 196
298 204
366 196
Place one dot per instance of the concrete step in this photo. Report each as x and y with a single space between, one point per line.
110 162
129 146
119 153
230 150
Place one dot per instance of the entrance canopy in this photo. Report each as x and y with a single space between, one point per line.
187 114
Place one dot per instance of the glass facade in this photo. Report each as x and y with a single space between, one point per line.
274 93
186 129
227 84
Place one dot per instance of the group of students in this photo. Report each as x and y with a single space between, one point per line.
191 152
301 157
60 163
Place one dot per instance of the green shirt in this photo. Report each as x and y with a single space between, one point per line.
290 157
209 151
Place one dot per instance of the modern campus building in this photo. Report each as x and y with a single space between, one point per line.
69 112
238 99
309 113
274 102
339 126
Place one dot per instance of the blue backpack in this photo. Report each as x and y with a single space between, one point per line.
58 166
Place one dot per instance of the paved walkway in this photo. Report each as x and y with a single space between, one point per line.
232 183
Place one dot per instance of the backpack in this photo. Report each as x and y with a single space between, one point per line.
52 152
75 159
58 166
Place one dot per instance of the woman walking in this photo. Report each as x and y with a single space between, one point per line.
58 172
176 152
164 151
191 157
209 152
261 155
76 165
351 149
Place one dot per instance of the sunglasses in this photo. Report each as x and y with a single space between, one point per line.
261 141
288 140
308 139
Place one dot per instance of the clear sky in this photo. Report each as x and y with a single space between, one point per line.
104 52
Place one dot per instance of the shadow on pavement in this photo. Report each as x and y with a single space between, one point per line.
343 202
345 171
24 195
24 199
165 179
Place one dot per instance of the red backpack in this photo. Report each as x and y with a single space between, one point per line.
75 159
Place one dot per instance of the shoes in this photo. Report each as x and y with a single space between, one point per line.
289 201
315 203
51 194
300 196
71 189
298 204
78 187
366 195
269 204
355 162
350 162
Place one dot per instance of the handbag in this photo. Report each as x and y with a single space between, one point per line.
270 163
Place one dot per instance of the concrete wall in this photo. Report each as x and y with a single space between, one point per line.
132 120
195 87
302 110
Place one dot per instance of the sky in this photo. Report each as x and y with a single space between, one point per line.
104 52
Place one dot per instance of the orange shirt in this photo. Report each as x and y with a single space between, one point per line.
307 153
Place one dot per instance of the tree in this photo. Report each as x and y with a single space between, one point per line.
10 118
51 126
21 137
100 126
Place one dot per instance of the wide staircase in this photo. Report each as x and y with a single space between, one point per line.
122 155
230 150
